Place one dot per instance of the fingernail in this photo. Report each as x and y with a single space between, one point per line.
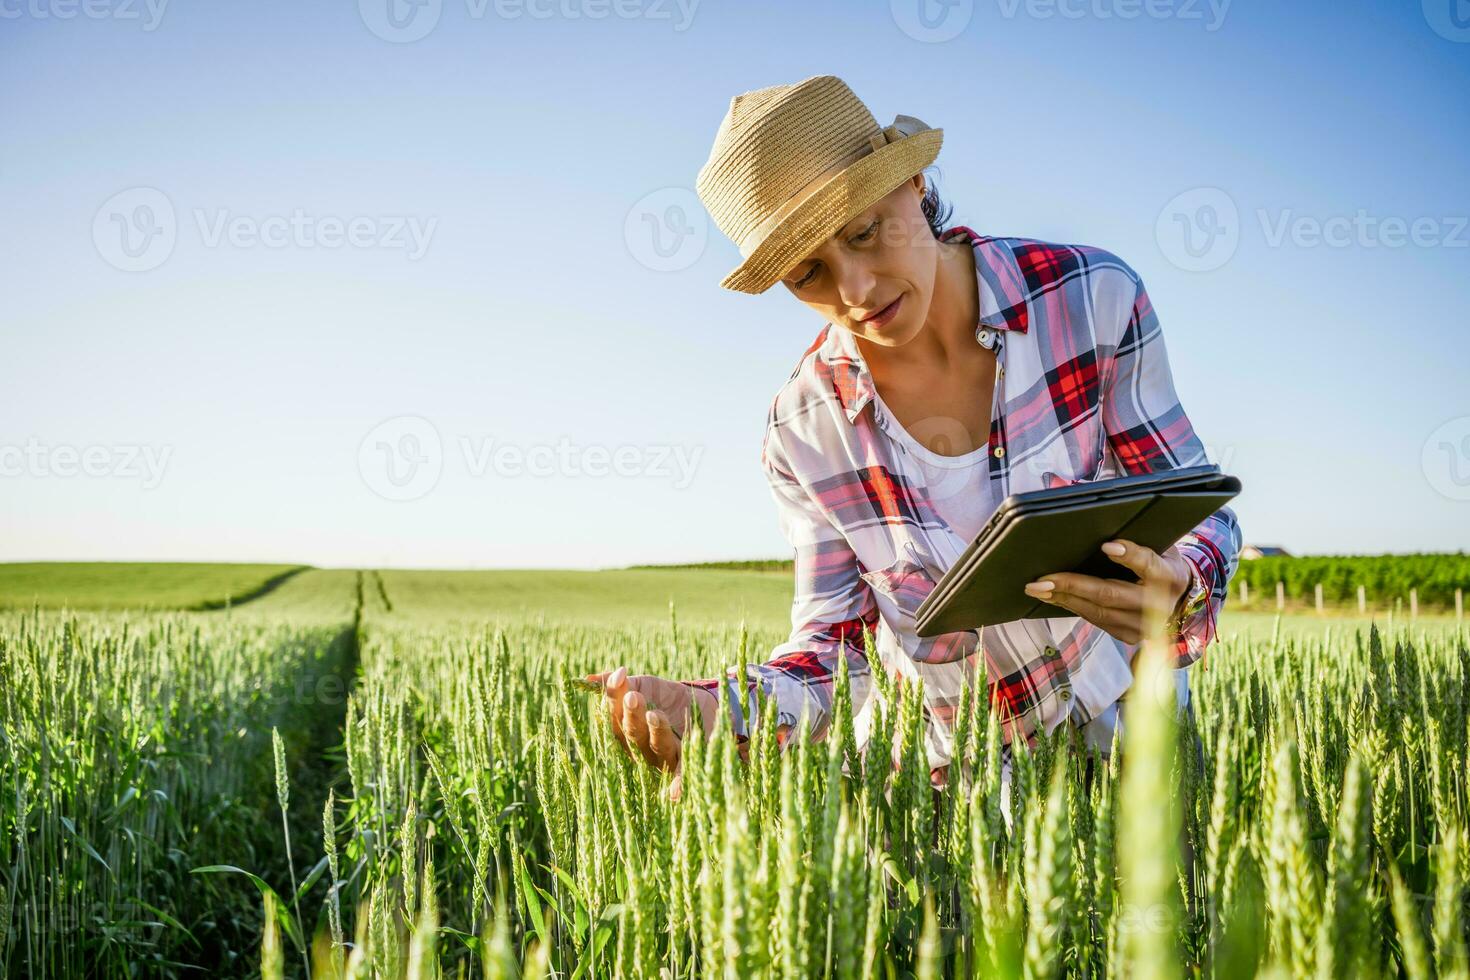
1035 587
1113 548
617 677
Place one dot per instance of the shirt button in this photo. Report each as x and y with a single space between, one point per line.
1050 651
1065 694
985 337
1000 452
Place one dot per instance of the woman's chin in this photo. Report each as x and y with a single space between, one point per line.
894 334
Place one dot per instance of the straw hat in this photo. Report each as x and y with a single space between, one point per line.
792 164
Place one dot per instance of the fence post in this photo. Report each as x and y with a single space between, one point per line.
1413 603
1245 593
1362 601
1317 594
1459 605
1280 594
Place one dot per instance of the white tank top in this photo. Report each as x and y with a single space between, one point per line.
960 486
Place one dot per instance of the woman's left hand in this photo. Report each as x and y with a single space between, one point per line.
1113 604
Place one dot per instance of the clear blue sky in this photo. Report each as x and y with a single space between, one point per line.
220 400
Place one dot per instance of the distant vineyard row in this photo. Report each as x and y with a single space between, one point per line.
1384 578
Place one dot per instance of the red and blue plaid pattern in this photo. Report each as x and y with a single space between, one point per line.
1087 394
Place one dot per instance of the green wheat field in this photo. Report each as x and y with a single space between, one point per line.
270 770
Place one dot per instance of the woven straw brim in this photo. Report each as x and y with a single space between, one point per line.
831 206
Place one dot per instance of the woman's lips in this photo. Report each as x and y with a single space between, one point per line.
885 315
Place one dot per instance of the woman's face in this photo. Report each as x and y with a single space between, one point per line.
885 254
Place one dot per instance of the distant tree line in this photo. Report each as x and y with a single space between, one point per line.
1384 578
754 565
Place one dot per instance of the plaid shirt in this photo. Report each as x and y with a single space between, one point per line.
1087 394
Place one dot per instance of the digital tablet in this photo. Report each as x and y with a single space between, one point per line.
1040 532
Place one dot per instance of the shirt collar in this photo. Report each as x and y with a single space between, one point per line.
841 362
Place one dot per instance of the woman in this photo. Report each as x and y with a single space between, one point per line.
953 369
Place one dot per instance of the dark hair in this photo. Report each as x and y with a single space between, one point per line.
935 210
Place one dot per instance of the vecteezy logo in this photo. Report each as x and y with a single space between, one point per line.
135 230
1450 19
666 230
402 458
932 21
1446 459
1199 230
400 21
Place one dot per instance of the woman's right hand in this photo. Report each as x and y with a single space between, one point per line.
649 716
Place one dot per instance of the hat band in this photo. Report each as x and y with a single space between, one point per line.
901 127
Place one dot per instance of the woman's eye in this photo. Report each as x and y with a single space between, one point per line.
866 234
